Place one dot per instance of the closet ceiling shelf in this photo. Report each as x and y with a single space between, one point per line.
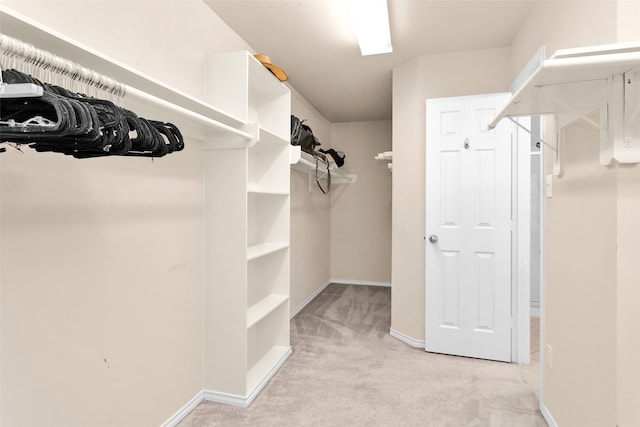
149 96
306 163
574 83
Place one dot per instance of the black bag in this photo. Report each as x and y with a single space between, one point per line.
302 135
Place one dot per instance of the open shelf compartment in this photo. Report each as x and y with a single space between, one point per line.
267 344
266 158
268 219
267 276
248 91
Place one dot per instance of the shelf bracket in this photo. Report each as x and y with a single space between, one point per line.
558 150
323 171
530 132
630 151
558 155
620 127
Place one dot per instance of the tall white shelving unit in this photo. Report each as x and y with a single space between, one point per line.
247 233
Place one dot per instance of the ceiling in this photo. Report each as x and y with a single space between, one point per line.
312 40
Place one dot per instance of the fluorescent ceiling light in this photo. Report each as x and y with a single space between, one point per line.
370 20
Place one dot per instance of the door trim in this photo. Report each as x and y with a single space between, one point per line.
521 244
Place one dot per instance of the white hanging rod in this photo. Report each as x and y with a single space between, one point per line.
47 61
132 92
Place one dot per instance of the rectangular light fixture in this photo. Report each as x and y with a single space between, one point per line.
370 20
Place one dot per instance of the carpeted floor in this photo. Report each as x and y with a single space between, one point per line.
346 370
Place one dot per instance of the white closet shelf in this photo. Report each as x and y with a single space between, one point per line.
147 96
306 163
263 249
263 308
573 83
571 80
254 189
268 137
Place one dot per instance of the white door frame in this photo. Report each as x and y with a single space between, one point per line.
521 245
547 416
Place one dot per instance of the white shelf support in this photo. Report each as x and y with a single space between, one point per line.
558 155
630 150
620 136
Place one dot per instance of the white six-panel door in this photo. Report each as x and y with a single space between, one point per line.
468 226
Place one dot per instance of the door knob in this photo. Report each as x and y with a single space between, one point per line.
433 238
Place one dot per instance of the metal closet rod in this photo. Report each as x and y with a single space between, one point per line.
48 61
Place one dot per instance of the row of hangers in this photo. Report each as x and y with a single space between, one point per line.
48 117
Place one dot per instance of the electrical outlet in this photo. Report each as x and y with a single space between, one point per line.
549 357
549 186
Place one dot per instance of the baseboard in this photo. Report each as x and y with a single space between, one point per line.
309 299
184 411
245 401
226 398
535 309
547 416
360 282
406 339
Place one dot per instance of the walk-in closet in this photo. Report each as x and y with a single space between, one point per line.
216 212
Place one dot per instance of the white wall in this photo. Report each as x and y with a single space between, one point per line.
580 286
628 297
628 312
310 217
361 212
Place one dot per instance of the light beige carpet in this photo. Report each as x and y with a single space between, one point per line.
346 370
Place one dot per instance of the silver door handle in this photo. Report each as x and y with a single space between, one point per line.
433 238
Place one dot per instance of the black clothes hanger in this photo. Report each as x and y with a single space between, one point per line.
74 124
